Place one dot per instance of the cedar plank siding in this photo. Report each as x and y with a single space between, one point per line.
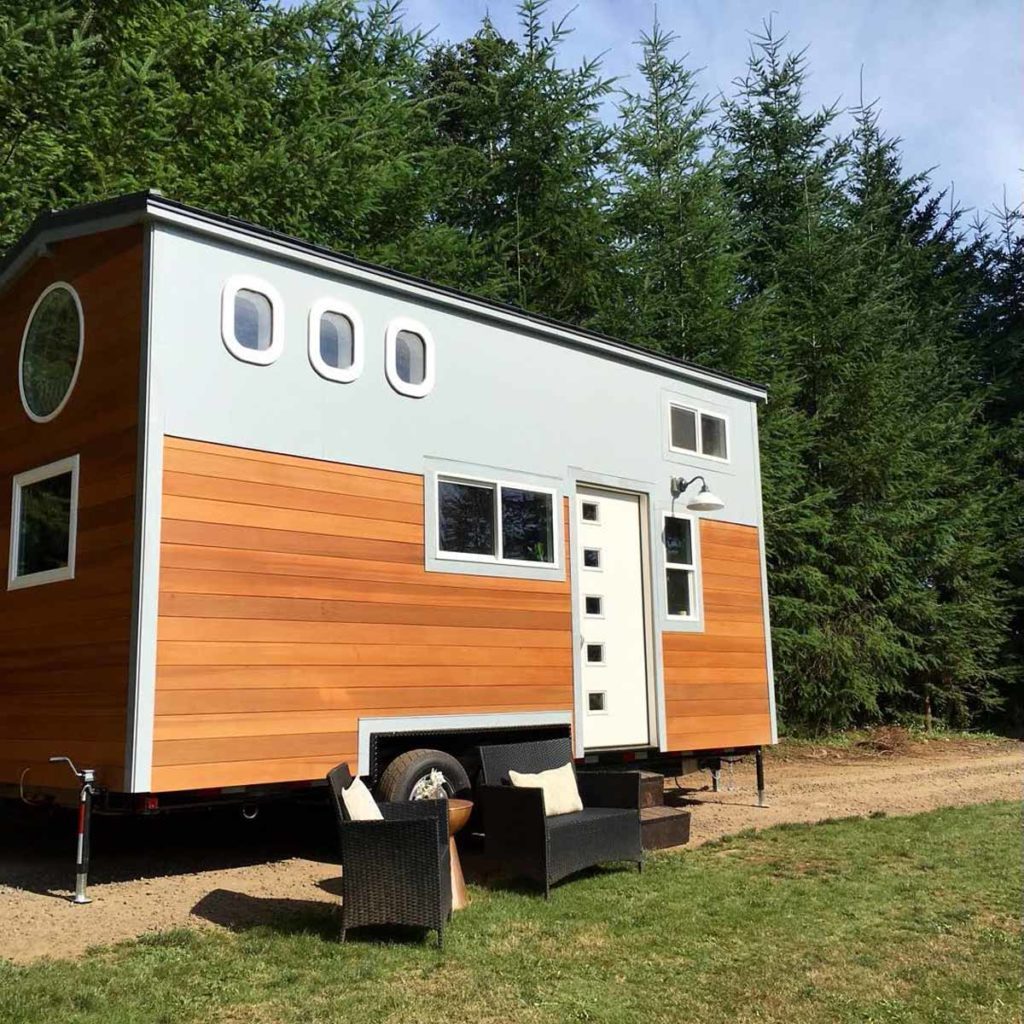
294 600
65 646
716 682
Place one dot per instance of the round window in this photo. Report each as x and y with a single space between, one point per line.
51 352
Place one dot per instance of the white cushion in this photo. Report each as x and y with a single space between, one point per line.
359 802
561 794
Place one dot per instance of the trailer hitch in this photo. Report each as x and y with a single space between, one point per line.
86 779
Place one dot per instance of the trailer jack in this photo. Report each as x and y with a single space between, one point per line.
86 777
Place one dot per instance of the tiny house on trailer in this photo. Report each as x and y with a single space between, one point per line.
273 508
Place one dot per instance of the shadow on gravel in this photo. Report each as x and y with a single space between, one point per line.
239 911
37 846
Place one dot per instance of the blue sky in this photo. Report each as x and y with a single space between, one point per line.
948 74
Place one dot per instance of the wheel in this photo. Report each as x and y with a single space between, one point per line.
421 774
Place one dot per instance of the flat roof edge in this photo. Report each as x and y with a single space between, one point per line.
150 204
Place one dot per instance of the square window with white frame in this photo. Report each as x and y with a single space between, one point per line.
680 568
696 432
491 521
44 521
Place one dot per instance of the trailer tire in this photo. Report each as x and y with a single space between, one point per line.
408 771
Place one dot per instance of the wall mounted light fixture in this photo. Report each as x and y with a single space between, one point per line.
704 501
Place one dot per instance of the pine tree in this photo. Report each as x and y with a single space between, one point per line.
676 278
524 153
299 119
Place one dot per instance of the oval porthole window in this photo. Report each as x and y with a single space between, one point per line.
253 317
252 320
335 340
51 352
409 358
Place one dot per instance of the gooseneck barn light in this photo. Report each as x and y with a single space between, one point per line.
704 501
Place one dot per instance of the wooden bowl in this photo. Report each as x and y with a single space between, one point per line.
458 814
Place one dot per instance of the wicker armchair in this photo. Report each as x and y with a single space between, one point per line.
395 871
522 839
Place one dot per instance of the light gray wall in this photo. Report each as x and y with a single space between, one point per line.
504 399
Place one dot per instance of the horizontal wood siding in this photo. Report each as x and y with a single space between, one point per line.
64 647
294 601
716 682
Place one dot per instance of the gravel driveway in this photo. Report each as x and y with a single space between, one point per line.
215 870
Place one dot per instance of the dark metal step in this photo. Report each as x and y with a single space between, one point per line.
661 827
652 789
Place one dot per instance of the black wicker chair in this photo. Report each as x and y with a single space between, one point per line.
395 871
520 838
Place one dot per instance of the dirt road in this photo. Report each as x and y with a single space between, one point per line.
214 870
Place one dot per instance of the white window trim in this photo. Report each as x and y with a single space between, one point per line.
597 711
593 615
394 327
78 362
32 476
244 282
694 615
698 412
495 486
597 508
600 559
347 310
602 663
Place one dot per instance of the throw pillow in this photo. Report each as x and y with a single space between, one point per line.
359 802
561 793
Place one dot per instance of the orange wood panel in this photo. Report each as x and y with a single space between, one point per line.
210 679
294 600
64 647
395 487
301 499
716 682
253 704
171 652
305 610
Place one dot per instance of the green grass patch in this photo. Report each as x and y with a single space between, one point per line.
862 920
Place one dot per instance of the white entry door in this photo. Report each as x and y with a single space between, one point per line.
613 645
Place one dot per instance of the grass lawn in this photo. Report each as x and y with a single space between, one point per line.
880 920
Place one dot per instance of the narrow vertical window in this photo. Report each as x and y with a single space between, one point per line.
335 340
44 519
684 429
680 571
409 358
712 436
251 323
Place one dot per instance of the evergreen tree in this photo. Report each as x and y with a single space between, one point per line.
676 279
782 172
301 119
999 335
524 151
